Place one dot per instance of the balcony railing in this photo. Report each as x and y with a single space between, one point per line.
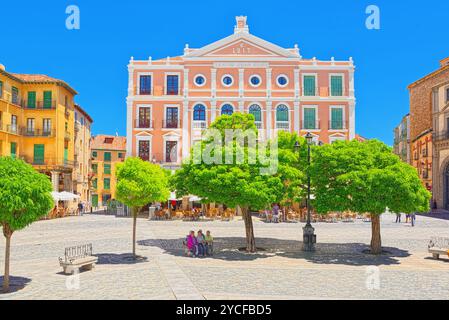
41 105
172 124
60 162
338 125
29 132
144 124
439 136
199 125
12 128
283 125
310 125
259 125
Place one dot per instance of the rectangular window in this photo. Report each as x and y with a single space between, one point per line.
107 156
144 117
94 168
336 119
1 89
94 154
172 85
13 150
31 102
15 95
95 184
30 126
46 126
171 151
309 86
310 118
336 86
13 124
121 155
39 152
144 150
107 184
145 84
95 200
107 169
47 100
106 199
171 117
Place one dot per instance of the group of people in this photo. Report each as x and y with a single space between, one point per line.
275 214
199 245
408 218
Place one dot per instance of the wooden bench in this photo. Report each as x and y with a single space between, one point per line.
439 246
77 258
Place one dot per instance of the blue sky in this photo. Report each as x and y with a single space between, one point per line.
412 40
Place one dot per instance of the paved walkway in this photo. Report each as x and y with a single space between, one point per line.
338 270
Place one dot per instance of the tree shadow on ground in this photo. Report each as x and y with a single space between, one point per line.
326 253
15 284
117 259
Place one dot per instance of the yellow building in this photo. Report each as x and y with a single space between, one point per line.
82 166
37 124
107 151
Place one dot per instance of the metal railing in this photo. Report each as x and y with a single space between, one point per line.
309 125
31 132
199 124
61 162
41 105
282 125
172 124
12 128
144 124
338 125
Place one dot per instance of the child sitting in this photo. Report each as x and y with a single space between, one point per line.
209 240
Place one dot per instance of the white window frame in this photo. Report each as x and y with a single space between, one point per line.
344 117
343 89
197 76
227 85
261 113
138 106
289 115
139 74
165 115
165 82
317 119
286 77
193 112
334 138
255 76
317 89
145 138
224 103
173 138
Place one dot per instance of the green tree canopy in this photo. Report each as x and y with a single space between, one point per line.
366 178
140 183
238 184
25 196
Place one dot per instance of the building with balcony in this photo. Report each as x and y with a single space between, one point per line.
82 160
429 124
171 100
107 151
37 124
402 139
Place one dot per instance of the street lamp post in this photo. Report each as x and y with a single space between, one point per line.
309 237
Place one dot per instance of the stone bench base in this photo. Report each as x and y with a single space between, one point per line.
436 252
78 265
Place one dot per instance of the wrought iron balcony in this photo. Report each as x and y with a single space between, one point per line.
310 125
31 132
171 124
144 124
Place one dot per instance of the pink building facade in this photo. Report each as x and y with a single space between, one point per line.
170 101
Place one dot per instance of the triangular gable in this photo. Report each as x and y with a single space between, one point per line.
242 44
144 134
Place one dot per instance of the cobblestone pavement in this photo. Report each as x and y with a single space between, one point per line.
338 270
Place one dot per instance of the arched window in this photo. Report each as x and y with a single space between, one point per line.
227 109
199 113
282 113
256 112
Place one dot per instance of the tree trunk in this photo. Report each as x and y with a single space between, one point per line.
7 233
134 212
376 240
250 241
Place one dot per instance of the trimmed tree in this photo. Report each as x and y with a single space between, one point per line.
25 196
366 178
238 184
140 183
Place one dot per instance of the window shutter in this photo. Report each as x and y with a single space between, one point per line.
336 86
47 99
13 150
39 153
309 118
32 99
309 86
337 119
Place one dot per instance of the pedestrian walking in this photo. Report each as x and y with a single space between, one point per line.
398 217
413 219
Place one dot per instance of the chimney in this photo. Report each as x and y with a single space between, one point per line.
444 62
241 25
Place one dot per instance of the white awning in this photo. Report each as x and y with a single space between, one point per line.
64 196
